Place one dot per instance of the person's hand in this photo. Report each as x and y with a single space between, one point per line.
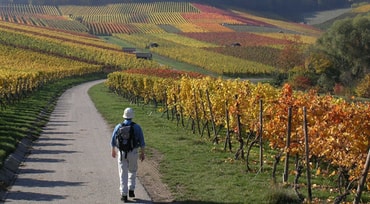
114 153
142 156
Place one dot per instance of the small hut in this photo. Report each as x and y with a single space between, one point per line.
153 44
236 44
143 55
129 49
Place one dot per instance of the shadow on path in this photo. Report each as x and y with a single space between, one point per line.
26 182
29 196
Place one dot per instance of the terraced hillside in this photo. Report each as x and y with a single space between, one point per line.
130 17
238 38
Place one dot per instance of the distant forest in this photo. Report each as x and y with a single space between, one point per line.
276 6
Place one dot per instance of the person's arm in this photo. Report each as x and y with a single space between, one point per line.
140 136
114 152
142 153
113 143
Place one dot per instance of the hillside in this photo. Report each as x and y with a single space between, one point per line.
291 9
133 18
228 42
172 24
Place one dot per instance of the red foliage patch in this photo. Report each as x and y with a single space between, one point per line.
207 17
248 21
301 83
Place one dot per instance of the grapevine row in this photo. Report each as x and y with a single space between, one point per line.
71 49
109 28
339 131
50 34
20 9
32 57
151 18
23 71
129 8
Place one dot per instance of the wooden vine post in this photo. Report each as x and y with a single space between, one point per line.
166 105
240 138
205 125
308 171
196 111
228 140
362 181
212 117
174 111
289 129
260 135
168 112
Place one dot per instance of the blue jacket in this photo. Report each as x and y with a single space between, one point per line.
137 131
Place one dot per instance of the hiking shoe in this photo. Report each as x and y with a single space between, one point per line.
124 198
131 193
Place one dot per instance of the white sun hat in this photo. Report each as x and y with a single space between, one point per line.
128 113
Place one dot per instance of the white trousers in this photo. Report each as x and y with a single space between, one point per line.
127 168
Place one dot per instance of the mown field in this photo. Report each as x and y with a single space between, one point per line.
42 45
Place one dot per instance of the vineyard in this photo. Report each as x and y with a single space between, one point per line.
32 57
42 44
208 56
253 114
106 20
24 71
197 28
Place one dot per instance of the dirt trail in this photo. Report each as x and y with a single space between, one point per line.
71 161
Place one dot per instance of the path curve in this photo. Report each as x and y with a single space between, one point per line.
71 161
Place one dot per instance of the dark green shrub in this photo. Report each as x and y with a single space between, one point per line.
280 195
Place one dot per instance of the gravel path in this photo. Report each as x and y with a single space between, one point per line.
71 161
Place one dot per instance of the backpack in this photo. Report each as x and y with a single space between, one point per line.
125 138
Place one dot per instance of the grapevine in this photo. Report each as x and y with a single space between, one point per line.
337 128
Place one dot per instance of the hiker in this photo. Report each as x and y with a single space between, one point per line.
128 156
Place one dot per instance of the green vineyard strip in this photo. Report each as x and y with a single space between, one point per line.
212 61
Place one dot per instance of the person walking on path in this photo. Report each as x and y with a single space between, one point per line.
68 164
128 159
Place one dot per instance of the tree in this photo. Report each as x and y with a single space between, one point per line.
291 55
363 88
347 45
